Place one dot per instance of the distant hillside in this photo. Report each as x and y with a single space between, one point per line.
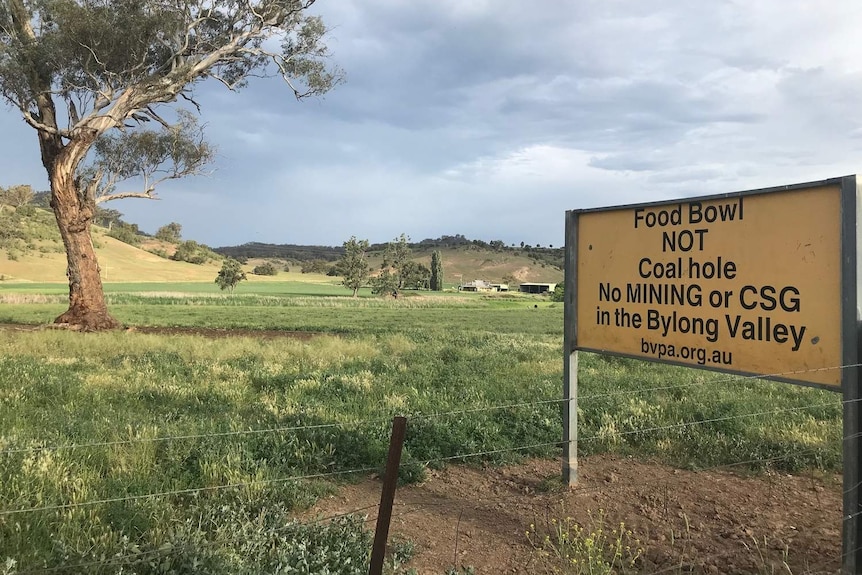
298 253
287 252
467 263
31 250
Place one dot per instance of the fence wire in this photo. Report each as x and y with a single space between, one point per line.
189 491
464 456
413 416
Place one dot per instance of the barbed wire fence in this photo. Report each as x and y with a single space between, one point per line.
406 509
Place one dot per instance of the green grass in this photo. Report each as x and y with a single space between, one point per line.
449 364
342 320
271 288
266 288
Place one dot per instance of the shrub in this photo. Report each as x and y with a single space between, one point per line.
126 234
559 293
190 251
171 233
315 267
266 269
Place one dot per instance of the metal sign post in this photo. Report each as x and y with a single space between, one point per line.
570 356
851 380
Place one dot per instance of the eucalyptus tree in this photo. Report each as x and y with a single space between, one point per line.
91 76
230 275
397 254
353 265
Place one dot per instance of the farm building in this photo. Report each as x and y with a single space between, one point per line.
482 285
537 287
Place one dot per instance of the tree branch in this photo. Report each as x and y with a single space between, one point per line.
147 195
42 127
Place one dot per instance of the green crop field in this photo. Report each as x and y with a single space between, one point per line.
133 452
316 286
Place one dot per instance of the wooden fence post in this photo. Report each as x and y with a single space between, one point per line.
387 496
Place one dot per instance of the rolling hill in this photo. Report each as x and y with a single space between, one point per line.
31 251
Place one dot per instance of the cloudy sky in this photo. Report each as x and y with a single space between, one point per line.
490 118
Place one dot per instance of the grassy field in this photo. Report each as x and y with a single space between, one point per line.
285 284
91 425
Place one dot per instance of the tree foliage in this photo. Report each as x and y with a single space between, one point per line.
107 218
315 267
282 251
171 232
415 275
396 255
192 252
230 275
264 269
16 196
436 279
127 233
559 293
353 265
384 283
91 76
154 156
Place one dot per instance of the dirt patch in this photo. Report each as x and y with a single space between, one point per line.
687 522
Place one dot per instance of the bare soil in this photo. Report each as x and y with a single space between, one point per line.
686 521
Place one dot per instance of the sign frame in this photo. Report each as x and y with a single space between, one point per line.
848 272
850 298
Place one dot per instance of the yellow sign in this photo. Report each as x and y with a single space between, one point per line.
748 283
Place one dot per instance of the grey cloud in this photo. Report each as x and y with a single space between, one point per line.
490 118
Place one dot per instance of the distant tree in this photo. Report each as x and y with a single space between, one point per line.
558 293
105 217
192 252
127 233
170 233
12 233
384 283
266 269
415 275
42 200
315 267
353 265
510 280
522 244
230 275
16 196
436 280
396 255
